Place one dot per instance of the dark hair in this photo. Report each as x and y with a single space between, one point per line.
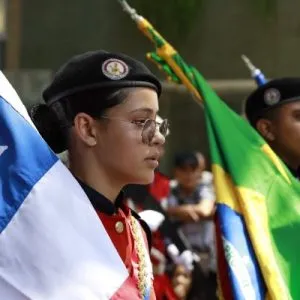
185 159
54 121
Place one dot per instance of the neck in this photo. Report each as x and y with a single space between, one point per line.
290 161
293 164
186 191
94 176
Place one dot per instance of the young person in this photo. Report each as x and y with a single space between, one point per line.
101 107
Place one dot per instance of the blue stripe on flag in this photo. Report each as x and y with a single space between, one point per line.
26 159
244 272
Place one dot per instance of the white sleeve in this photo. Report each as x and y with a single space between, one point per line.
207 193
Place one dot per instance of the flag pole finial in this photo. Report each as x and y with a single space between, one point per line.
129 10
248 63
256 73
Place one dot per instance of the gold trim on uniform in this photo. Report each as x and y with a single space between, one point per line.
140 248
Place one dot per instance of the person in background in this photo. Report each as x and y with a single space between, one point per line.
192 204
205 176
188 201
273 110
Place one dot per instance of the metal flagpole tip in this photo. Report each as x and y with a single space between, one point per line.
248 63
129 10
256 73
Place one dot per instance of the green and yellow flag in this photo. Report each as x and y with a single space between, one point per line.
258 206
257 211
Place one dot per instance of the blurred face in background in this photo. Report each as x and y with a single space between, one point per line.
187 177
282 131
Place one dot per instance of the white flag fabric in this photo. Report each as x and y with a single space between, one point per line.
52 243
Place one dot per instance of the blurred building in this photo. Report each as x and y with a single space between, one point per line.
36 36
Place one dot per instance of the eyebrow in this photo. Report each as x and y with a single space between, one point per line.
145 109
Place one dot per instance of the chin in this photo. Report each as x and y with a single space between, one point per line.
146 178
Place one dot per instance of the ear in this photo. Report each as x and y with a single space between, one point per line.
266 129
85 128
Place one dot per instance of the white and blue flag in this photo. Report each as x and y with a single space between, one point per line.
52 243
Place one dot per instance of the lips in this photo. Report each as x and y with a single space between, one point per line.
152 163
153 160
156 156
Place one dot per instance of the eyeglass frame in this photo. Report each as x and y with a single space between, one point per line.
163 124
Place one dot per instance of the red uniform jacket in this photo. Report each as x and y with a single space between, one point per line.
130 240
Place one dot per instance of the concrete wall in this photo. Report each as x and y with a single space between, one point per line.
52 31
223 30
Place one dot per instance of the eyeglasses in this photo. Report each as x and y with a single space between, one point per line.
148 126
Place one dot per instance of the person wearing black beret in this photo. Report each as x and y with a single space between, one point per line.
102 108
273 109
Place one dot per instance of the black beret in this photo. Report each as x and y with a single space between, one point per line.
270 95
96 70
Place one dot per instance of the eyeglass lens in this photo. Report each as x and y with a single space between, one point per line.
150 128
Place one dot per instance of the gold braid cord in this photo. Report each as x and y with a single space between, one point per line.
142 256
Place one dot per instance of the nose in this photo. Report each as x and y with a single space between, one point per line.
158 138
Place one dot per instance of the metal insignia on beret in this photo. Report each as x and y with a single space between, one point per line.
115 69
272 96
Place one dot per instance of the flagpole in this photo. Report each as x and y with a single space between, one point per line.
141 22
256 73
164 50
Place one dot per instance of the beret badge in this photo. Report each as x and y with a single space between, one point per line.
115 69
272 96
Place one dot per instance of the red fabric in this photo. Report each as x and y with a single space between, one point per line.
163 288
158 242
125 245
222 264
160 188
127 290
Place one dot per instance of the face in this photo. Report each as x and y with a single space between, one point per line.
120 149
187 177
284 133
